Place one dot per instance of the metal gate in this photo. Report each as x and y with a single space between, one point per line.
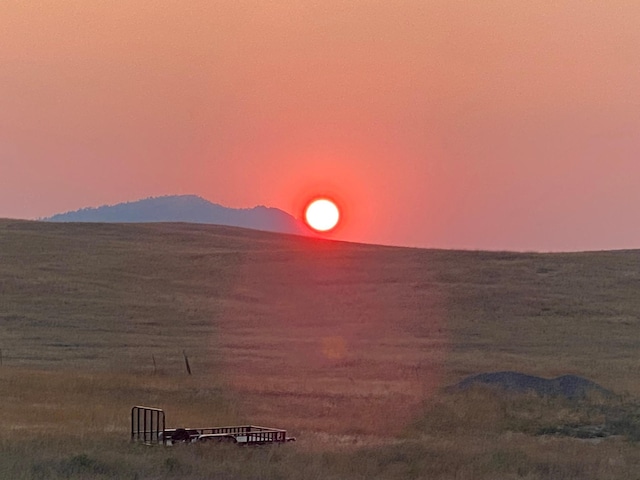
147 425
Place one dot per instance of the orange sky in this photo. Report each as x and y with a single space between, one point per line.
453 124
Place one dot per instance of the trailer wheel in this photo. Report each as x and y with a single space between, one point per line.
180 435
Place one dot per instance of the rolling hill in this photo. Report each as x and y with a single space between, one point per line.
344 345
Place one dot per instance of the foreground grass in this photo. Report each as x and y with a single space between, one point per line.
501 457
63 425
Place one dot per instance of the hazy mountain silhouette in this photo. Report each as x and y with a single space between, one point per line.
186 208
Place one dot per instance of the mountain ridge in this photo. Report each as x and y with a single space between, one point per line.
189 209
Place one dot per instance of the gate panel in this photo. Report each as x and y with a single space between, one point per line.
147 425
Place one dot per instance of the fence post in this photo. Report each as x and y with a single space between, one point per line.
186 362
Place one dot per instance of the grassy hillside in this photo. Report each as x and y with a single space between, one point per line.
344 345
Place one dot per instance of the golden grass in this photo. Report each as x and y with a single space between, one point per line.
346 346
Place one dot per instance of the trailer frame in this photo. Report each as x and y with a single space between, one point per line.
148 426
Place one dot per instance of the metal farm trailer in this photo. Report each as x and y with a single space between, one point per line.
148 427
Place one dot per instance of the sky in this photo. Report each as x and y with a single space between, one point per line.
501 124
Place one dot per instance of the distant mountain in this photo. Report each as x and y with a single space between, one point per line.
186 208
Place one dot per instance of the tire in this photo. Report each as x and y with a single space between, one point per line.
180 435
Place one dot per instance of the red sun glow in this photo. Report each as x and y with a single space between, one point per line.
322 215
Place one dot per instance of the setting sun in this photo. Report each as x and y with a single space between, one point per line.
322 215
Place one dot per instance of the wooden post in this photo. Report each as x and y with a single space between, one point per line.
186 362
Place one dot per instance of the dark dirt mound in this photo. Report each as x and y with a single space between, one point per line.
569 386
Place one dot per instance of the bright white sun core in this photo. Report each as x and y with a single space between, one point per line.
322 215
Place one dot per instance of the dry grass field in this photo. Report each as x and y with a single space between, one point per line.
348 347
